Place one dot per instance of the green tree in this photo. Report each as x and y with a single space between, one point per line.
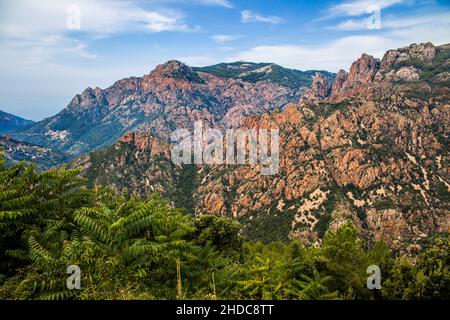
222 233
315 288
345 260
257 283
32 201
433 270
400 284
16 207
116 250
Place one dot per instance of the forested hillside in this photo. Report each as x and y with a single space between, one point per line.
133 248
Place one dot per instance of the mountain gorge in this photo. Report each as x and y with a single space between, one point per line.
370 147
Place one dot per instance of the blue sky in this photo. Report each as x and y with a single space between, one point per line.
51 50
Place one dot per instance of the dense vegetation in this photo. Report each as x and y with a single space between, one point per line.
247 71
439 65
129 248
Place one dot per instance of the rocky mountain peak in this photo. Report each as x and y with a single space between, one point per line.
424 52
170 66
175 95
89 98
146 141
363 69
176 70
362 72
415 68
389 59
87 93
339 81
320 88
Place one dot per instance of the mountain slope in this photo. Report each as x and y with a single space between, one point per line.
383 165
418 71
141 163
9 122
44 157
373 152
255 72
172 96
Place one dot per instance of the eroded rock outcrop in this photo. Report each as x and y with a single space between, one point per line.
320 88
419 69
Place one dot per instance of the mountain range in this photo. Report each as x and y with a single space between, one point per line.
171 96
369 145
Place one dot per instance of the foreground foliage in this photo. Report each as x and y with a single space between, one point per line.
129 248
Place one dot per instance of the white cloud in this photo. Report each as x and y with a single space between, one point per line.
27 18
21 53
395 22
40 55
350 25
360 7
222 3
223 38
340 54
434 19
248 16
331 56
36 32
198 61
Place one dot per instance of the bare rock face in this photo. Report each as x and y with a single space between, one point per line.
362 72
89 98
174 69
362 161
412 70
379 164
341 77
424 51
320 88
146 142
442 77
407 74
388 60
